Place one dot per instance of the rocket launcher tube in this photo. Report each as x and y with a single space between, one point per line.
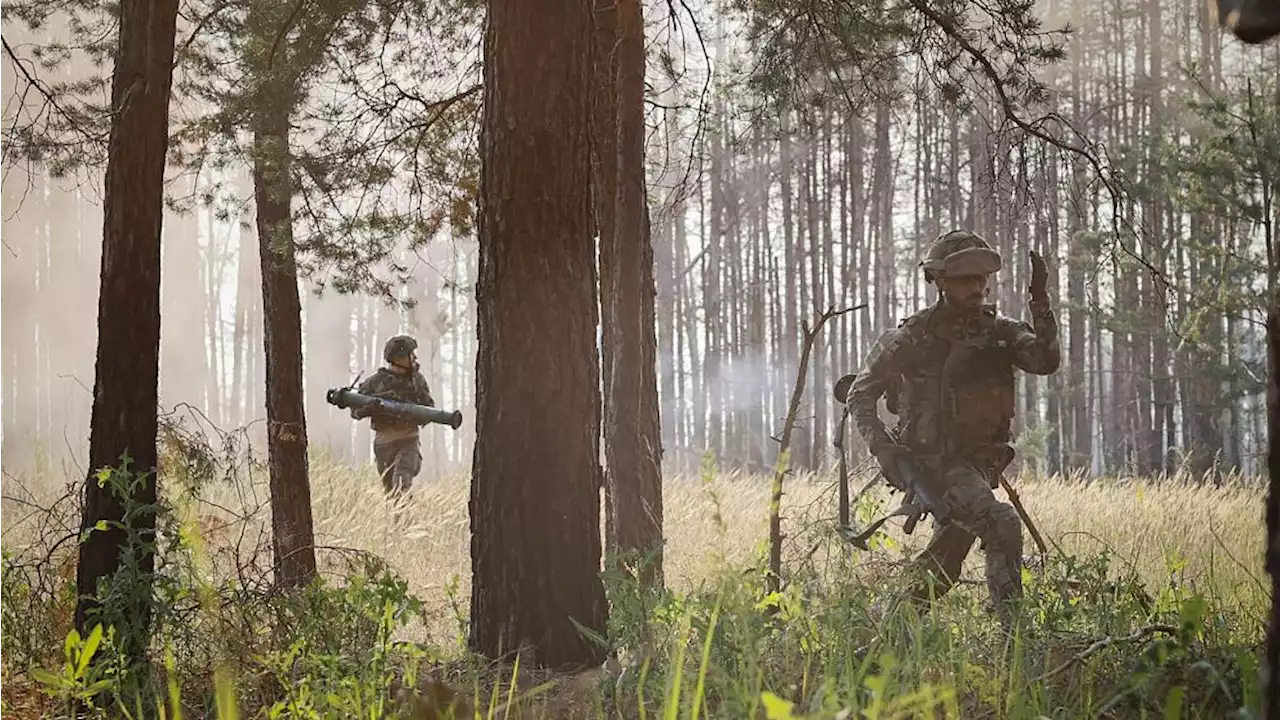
347 398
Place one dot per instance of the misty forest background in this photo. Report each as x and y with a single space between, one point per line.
1160 233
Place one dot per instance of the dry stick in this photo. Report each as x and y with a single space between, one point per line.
781 468
844 467
1026 519
1105 643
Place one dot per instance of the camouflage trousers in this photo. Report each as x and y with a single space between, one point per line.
974 514
399 461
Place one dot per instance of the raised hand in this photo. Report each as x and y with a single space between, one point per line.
1039 289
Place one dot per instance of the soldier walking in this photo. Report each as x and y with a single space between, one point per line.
948 373
396 448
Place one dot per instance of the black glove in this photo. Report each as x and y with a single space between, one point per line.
1039 289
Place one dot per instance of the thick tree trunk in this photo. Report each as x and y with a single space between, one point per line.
632 430
293 539
127 373
535 491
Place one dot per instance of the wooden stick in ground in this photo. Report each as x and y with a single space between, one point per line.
841 392
1026 519
843 467
782 466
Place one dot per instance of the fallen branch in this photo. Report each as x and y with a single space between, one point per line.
1103 644
782 466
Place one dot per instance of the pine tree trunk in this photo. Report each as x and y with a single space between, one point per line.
293 540
535 491
127 374
632 429
1271 694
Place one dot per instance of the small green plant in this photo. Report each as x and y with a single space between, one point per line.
79 682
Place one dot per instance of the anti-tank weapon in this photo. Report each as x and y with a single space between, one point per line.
346 398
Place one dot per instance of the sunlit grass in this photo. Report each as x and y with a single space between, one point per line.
722 649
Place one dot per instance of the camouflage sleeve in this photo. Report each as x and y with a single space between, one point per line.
867 389
423 390
1035 346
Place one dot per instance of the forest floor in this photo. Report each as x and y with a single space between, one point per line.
1153 600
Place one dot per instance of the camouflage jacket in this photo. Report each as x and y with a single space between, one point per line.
950 380
391 385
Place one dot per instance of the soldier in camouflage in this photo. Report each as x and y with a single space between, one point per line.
947 372
396 449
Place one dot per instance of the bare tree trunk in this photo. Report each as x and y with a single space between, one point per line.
535 491
127 374
293 539
632 429
1271 693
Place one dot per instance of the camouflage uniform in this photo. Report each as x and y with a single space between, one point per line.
957 430
396 449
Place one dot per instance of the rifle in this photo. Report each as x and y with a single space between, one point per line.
345 398
924 495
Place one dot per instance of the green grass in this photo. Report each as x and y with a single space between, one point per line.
1152 605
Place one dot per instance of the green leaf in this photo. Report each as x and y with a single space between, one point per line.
51 680
1173 703
87 651
776 708
70 644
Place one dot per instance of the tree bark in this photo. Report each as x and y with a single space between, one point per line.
535 503
128 355
293 540
1272 672
632 429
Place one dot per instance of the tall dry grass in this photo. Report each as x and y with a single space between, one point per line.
1197 530
1199 537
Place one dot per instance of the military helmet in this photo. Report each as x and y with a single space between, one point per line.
398 346
958 253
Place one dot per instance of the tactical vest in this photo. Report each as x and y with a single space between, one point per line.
969 414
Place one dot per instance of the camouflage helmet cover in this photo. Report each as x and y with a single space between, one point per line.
398 346
959 253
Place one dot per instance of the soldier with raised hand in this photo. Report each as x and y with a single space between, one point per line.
948 373
396 448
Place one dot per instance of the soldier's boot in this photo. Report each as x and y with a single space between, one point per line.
1252 21
1002 543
